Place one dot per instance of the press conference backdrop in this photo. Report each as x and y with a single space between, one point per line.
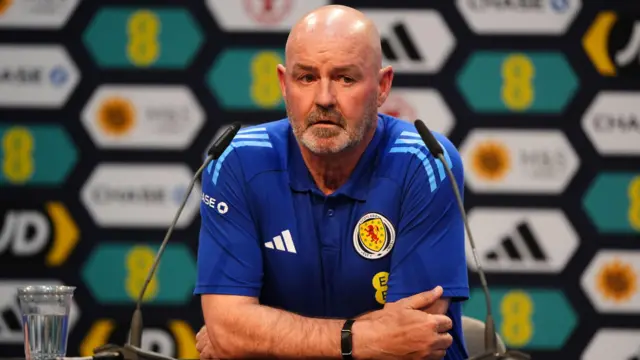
106 108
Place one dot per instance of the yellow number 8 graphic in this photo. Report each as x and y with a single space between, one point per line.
265 90
634 203
517 89
143 47
516 309
17 145
138 262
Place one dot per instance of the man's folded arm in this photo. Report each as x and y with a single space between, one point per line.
239 327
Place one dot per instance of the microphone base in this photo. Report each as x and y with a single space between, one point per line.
508 355
127 352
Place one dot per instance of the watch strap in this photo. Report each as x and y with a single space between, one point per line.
346 339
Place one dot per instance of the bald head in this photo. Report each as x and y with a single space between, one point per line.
336 23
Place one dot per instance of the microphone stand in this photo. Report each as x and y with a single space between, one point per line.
131 350
490 336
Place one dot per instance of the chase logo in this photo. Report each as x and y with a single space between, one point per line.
612 123
38 76
47 232
175 338
139 195
11 319
519 16
613 44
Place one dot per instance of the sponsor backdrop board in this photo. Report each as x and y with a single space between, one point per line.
106 109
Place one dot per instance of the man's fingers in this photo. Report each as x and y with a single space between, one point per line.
443 342
423 299
443 322
201 333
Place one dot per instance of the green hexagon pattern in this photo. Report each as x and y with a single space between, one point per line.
612 202
246 79
517 82
526 318
35 155
115 272
130 37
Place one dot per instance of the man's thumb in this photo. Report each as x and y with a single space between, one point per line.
423 299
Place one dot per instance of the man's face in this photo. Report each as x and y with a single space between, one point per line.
331 93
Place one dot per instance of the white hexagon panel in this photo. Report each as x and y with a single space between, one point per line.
260 15
612 123
610 281
36 76
39 14
520 240
413 41
518 161
614 344
539 17
12 315
130 195
143 117
427 105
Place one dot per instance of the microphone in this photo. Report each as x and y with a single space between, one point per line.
132 350
490 337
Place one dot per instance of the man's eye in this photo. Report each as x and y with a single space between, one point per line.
306 78
347 79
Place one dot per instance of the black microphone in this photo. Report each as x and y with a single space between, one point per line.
490 337
132 350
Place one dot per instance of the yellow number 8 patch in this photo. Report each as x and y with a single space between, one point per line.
516 309
380 281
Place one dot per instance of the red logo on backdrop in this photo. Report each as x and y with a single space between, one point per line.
398 107
268 11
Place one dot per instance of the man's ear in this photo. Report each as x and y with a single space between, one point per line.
282 72
384 84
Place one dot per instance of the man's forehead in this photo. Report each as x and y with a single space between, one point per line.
304 66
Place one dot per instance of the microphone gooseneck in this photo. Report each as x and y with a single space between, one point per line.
132 350
490 336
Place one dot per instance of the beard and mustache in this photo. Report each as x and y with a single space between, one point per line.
344 134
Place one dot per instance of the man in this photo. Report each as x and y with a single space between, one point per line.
333 214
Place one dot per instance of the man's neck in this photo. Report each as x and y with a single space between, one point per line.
331 171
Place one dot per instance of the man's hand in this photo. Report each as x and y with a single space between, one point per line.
403 330
203 344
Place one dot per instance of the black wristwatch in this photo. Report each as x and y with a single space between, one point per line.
346 340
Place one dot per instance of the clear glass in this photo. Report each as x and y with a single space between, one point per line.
45 317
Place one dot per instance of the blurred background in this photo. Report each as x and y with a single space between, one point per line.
107 106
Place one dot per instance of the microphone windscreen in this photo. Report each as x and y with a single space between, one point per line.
432 144
222 142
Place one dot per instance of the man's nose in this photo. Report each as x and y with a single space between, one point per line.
325 95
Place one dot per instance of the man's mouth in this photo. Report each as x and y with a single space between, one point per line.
325 122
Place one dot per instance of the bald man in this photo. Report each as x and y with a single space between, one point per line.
340 236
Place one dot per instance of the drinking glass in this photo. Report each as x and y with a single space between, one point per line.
45 317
